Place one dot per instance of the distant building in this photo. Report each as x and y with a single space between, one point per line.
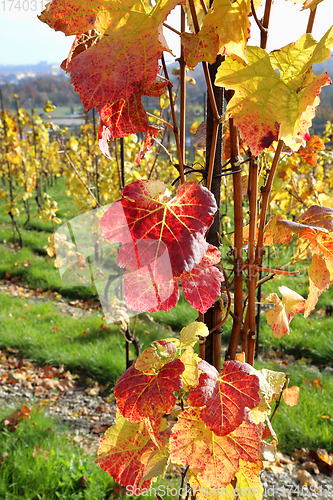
55 70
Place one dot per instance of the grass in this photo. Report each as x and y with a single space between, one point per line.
48 336
310 423
41 462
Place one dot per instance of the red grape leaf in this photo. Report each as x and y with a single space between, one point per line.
202 285
149 361
122 117
267 104
248 480
225 31
235 389
156 461
148 141
152 286
281 230
114 59
277 232
319 277
285 309
204 491
125 57
121 449
178 225
77 16
309 152
317 216
140 396
215 459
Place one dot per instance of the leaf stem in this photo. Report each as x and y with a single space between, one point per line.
171 28
182 65
160 119
265 24
252 275
175 128
260 26
238 242
311 20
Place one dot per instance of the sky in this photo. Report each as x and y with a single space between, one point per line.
26 40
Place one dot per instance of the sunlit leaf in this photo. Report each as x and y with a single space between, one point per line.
225 396
269 104
215 459
284 311
140 395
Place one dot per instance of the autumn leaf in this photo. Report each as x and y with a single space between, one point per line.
148 141
269 104
248 480
271 385
152 286
225 396
149 361
278 230
189 335
190 375
319 277
319 216
309 151
121 450
163 242
308 4
225 31
290 395
13 419
284 311
146 212
140 395
114 58
203 491
215 459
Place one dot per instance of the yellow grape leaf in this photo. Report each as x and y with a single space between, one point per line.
276 94
290 395
278 232
204 492
319 277
271 384
308 4
155 461
225 31
249 486
285 309
215 459
189 335
149 361
190 375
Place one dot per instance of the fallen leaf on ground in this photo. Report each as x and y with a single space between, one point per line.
13 419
